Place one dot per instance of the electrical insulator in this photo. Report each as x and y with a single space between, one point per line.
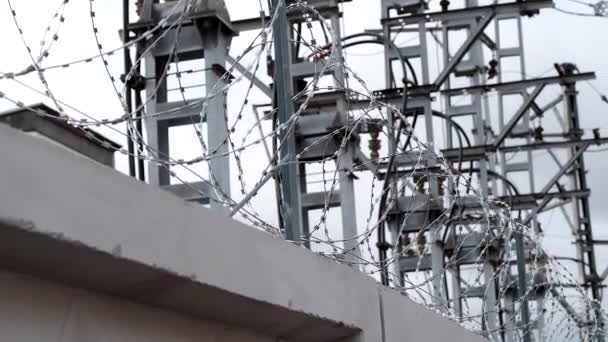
270 66
139 5
421 242
405 244
301 85
493 69
538 134
565 69
135 81
420 183
596 134
441 188
374 145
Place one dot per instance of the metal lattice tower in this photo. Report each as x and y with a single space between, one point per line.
495 129
206 35
512 302
325 112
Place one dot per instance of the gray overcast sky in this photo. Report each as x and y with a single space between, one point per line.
549 38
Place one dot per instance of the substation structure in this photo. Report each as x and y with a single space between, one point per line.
512 303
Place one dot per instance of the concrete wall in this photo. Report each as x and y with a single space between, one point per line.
139 243
34 310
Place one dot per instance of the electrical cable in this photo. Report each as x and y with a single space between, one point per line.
460 134
381 41
405 65
382 244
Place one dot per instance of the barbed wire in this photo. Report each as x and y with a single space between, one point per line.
482 241
600 9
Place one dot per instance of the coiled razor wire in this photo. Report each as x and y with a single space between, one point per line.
487 233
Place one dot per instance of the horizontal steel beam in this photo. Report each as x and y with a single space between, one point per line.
515 8
474 154
317 200
479 152
178 113
464 256
324 8
529 201
250 24
553 144
326 100
518 86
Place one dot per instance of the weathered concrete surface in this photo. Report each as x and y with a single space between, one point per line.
403 317
34 310
57 259
69 220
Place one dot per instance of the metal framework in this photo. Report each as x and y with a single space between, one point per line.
498 132
492 149
325 112
205 35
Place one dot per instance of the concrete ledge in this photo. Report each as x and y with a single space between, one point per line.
52 257
403 317
68 197
68 220
35 310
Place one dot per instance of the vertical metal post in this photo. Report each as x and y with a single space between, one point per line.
521 286
157 133
476 58
503 162
437 251
540 319
510 316
456 291
215 46
141 170
345 164
455 283
391 225
585 233
305 216
283 90
127 64
489 302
